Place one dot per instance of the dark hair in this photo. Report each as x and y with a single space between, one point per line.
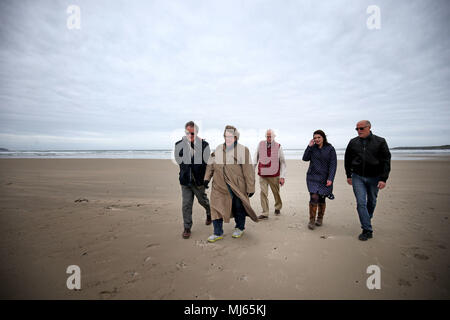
191 124
320 132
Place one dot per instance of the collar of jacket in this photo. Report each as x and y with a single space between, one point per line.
229 148
197 140
368 137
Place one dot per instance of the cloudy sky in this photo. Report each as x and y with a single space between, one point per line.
136 71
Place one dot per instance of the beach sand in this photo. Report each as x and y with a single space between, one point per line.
127 241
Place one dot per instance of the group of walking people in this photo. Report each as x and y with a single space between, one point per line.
230 167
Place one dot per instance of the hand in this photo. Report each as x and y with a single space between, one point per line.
381 184
205 183
250 194
329 183
281 181
349 181
311 143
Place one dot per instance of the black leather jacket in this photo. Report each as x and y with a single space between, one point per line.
369 157
192 165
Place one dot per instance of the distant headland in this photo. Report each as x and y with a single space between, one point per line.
447 146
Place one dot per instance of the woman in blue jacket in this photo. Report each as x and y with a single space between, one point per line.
322 169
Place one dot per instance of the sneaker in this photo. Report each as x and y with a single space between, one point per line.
365 235
237 233
262 217
214 238
277 212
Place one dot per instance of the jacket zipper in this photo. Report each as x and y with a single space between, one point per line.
364 160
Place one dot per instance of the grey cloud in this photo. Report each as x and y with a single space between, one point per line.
142 67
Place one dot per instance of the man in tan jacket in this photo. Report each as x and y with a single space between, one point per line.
230 166
271 170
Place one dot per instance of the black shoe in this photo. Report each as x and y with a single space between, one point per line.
365 235
208 220
186 233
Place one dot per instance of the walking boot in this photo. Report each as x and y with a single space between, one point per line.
320 213
312 215
186 233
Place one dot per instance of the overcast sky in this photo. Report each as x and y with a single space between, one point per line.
137 71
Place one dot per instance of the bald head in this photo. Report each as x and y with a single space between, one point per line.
363 128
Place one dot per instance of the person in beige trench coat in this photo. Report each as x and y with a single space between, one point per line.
231 168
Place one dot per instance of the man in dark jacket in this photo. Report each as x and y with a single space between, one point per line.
367 166
192 154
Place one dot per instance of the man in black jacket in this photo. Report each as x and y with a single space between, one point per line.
367 166
192 154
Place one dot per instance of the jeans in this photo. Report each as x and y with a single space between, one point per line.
366 191
239 214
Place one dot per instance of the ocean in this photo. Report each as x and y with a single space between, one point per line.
168 154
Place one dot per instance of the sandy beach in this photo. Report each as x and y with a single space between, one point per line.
127 241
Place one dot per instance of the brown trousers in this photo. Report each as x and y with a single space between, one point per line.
274 183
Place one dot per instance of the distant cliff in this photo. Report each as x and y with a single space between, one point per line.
3 149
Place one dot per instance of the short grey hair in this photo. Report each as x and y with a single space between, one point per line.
367 122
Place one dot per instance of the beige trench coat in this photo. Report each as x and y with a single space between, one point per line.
233 167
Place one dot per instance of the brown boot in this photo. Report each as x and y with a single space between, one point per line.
186 233
320 214
312 215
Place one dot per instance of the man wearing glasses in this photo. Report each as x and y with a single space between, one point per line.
367 166
192 154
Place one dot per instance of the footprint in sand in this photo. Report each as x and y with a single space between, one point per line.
150 245
421 256
201 243
208 246
403 282
412 252
181 265
274 254
81 200
215 267
108 294
243 278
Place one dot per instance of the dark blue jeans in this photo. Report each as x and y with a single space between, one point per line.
239 214
366 191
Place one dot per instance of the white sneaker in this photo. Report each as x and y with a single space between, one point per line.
214 238
237 233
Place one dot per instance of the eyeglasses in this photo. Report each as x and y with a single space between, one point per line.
360 128
190 133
